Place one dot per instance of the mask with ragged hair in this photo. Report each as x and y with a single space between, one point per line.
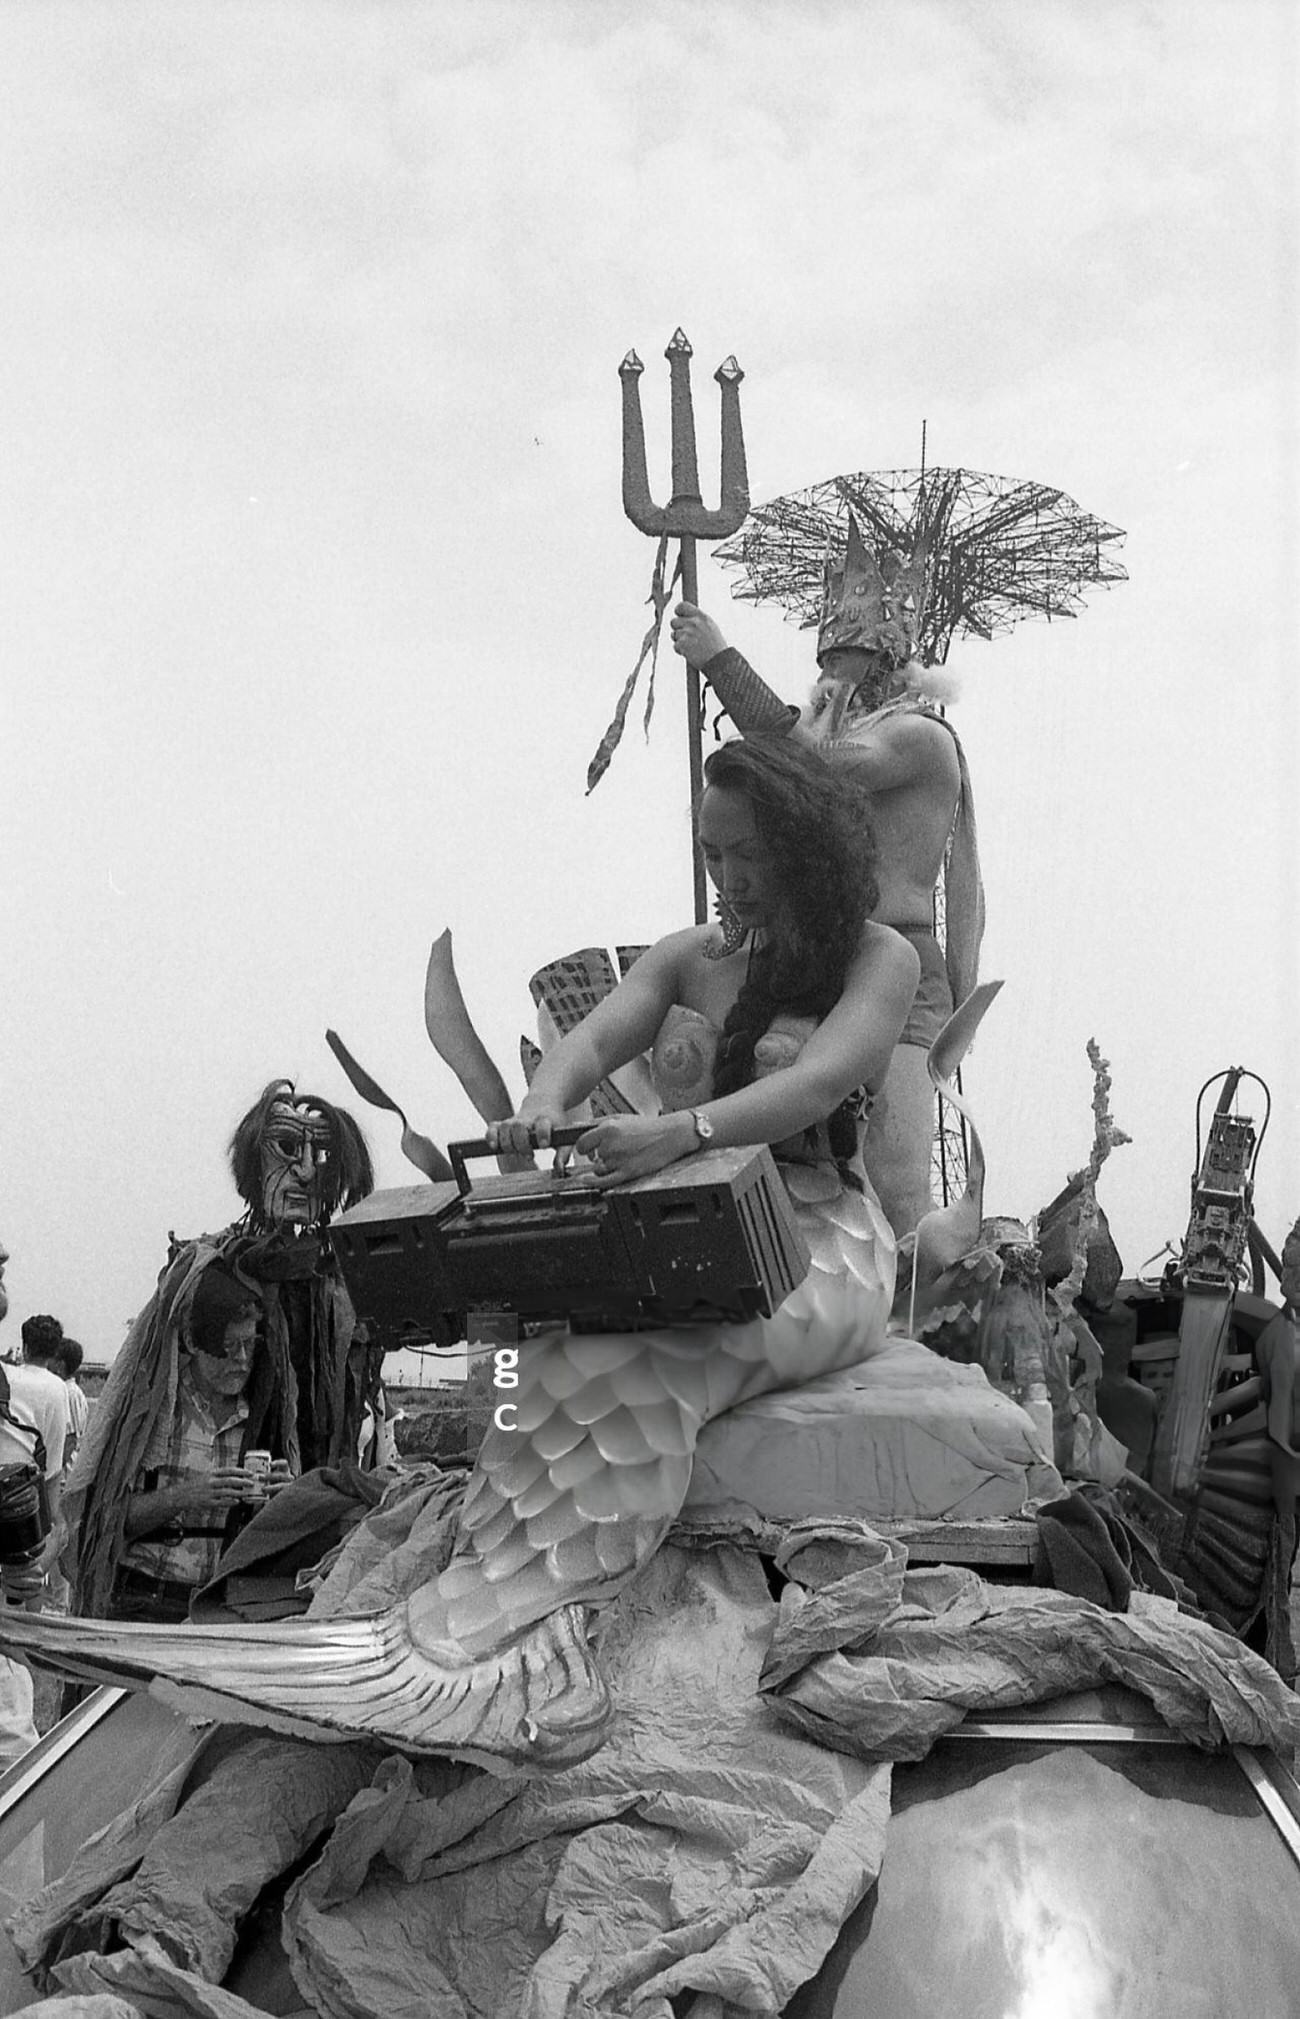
296 1159
298 1185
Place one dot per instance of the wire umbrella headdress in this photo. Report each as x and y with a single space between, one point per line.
1000 549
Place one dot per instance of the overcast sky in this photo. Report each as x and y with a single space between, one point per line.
317 592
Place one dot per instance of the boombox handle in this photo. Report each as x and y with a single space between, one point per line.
459 1153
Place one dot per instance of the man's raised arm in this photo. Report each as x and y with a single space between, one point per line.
749 701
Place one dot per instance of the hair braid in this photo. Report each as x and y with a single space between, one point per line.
813 819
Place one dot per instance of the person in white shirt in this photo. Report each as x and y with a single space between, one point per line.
71 1355
34 1417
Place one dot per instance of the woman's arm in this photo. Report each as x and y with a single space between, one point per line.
850 1048
621 1026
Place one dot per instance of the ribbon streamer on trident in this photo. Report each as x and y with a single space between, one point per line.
683 518
609 742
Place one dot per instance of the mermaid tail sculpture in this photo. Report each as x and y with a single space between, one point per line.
489 1661
565 1507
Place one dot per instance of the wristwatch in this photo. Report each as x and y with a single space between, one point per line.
703 1126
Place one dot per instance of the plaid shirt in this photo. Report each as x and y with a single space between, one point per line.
196 1447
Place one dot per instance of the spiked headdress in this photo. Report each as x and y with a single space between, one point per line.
873 603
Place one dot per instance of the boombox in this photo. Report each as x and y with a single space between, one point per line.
712 1239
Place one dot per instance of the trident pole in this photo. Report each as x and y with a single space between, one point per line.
694 733
685 517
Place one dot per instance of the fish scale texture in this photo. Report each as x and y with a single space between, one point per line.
574 1499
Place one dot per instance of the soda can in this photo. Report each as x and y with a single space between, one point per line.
257 1466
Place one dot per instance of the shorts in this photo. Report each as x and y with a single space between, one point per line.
932 1005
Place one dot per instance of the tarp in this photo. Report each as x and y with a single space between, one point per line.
883 1663
704 1847
720 1839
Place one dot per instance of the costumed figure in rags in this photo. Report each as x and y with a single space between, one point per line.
296 1159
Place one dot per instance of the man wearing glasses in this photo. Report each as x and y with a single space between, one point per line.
188 1393
193 1488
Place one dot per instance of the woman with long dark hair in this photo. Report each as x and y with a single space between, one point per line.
779 1026
768 1031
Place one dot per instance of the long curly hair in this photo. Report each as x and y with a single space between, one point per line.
813 819
350 1174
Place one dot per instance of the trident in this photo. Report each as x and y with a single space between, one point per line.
684 516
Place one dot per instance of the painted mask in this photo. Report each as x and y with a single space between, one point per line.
298 1185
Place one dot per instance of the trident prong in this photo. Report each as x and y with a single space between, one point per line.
684 516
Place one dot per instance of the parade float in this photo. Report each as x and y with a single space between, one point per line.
733 1700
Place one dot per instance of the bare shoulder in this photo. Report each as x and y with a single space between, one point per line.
902 748
689 941
925 736
885 957
699 948
672 954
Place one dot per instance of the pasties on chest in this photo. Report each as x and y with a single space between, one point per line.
685 1052
682 1058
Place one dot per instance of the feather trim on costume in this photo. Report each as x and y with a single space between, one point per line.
939 684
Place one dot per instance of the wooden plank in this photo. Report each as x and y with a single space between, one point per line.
1003 1539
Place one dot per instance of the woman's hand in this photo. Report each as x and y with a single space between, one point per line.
522 1134
514 1141
622 1147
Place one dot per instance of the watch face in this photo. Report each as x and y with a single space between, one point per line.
703 1126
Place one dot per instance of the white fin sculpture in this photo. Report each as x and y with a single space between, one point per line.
455 1039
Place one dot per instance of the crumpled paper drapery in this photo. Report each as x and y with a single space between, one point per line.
721 1838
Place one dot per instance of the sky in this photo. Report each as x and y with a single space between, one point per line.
316 593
